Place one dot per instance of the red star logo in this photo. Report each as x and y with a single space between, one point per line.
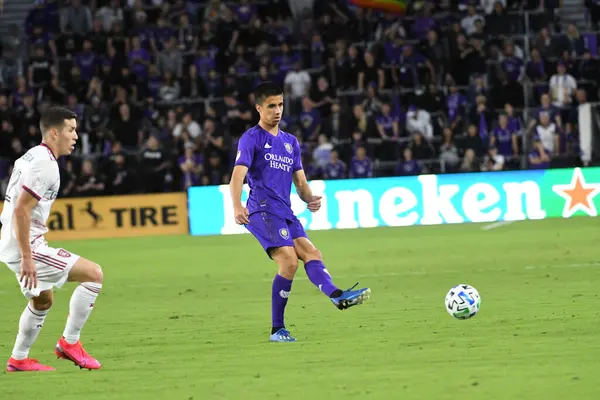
578 195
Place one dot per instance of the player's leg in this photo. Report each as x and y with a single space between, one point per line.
287 263
319 275
30 325
315 268
273 235
89 275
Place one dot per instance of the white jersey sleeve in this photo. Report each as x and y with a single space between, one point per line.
39 179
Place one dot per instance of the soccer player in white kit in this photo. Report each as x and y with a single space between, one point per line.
32 189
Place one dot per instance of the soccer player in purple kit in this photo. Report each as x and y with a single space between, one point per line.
270 159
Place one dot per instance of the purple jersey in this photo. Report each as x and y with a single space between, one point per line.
335 170
271 161
512 66
541 165
406 168
503 141
455 102
550 111
361 168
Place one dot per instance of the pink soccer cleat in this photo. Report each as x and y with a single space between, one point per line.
76 353
26 365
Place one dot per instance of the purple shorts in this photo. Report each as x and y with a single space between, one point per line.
273 231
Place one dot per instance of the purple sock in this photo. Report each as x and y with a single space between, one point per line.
279 299
318 275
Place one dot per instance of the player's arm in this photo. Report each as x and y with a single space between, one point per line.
237 182
243 161
302 187
301 183
304 191
26 201
235 186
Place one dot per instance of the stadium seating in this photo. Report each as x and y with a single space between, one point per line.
163 88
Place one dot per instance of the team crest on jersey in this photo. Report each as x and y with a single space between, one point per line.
38 184
51 195
64 253
284 233
289 148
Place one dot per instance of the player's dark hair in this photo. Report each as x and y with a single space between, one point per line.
54 117
266 89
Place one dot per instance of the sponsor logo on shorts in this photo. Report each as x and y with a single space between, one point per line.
64 253
284 233
283 294
288 147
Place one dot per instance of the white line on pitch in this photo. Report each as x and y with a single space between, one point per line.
582 265
496 225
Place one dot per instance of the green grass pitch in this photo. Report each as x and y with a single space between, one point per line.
189 317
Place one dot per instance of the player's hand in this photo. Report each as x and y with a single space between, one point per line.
315 204
241 215
28 273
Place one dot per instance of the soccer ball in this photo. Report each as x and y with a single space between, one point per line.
463 301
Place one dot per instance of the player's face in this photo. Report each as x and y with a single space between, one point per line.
271 110
67 137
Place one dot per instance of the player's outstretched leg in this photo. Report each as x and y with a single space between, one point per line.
30 325
282 285
317 273
89 275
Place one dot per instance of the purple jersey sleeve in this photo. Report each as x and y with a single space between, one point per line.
297 157
245 154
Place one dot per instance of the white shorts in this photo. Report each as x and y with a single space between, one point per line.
53 267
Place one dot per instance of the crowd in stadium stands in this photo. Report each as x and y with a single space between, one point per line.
163 88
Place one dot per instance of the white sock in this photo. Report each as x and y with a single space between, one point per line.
30 325
81 306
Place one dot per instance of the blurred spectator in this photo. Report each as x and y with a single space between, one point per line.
170 59
335 168
127 129
504 138
322 153
449 153
90 182
421 149
188 125
469 21
419 121
539 158
387 124
493 161
408 166
297 86
469 163
192 167
154 164
77 16
547 132
310 120
67 179
120 177
215 171
361 165
562 86
109 14
594 9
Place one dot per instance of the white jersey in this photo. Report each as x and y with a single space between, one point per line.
37 173
546 135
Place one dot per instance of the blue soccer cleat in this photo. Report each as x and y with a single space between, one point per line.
351 297
282 335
